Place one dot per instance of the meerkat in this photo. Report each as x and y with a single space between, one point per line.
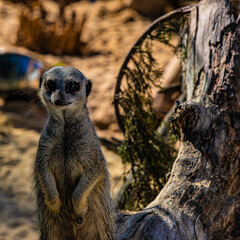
71 180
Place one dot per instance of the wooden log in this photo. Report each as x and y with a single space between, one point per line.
201 200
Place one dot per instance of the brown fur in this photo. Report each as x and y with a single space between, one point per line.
70 175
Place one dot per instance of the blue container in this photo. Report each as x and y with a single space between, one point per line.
18 71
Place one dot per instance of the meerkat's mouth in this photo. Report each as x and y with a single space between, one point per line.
61 104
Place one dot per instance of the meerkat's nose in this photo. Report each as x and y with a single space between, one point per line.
59 100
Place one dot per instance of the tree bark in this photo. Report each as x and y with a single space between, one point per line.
201 200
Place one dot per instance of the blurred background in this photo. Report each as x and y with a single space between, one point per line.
93 36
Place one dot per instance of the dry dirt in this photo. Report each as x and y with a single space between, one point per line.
110 31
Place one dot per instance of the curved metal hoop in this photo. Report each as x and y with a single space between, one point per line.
152 27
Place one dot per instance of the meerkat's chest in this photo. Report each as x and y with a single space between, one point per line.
69 154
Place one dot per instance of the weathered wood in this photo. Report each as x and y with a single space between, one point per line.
201 200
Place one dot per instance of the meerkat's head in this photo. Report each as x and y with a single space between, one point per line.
64 87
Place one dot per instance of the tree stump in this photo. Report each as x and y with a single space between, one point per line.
201 200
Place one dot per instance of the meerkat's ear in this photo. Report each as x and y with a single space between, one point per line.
40 81
88 87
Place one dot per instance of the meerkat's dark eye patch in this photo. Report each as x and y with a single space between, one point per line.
50 85
72 87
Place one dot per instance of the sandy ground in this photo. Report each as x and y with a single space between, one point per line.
111 30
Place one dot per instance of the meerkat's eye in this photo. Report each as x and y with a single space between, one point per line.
72 87
50 85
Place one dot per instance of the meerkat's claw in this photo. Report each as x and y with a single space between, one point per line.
56 215
79 219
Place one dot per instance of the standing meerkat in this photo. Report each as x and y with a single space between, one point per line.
71 180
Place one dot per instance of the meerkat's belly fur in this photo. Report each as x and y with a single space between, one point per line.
71 181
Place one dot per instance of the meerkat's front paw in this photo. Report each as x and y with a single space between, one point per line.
80 208
54 206
79 215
